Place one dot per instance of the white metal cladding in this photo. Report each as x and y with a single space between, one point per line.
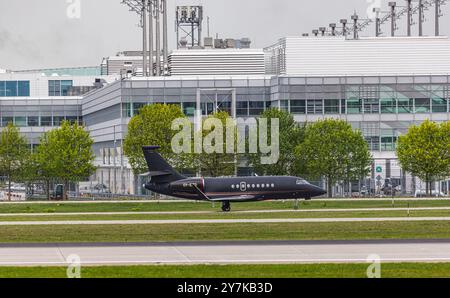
327 56
217 62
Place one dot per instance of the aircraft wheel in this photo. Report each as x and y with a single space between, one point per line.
226 206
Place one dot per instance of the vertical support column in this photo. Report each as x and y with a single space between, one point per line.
158 38
165 40
421 18
144 39
151 33
233 104
437 6
393 16
409 7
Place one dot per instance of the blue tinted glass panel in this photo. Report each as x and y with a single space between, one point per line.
11 88
23 88
65 86
2 88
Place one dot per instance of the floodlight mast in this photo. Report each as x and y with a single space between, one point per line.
151 35
154 8
395 14
144 39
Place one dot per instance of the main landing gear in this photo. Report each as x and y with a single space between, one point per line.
226 206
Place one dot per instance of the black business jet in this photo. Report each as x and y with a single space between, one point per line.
165 180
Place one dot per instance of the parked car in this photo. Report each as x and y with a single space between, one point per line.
420 193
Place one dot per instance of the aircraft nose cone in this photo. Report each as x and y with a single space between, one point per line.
317 191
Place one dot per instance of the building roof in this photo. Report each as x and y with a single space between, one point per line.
328 56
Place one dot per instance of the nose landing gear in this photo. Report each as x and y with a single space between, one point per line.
226 206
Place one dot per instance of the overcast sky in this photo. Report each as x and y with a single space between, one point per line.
39 33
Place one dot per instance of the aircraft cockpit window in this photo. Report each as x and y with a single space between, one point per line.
301 181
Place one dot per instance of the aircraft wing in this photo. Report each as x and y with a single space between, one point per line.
235 198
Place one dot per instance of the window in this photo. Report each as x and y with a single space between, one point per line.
388 105
189 108
7 120
20 121
422 105
137 106
11 88
354 105
23 88
405 105
2 88
46 121
207 108
371 106
72 119
298 107
14 88
33 121
373 142
284 105
65 87
256 108
439 105
53 88
57 120
59 88
242 108
315 106
332 106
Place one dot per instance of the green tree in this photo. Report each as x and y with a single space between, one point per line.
215 164
14 154
153 126
425 151
291 134
65 154
332 149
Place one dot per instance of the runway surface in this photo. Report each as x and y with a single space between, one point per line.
234 212
267 252
217 221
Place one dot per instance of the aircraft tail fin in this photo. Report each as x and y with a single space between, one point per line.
160 171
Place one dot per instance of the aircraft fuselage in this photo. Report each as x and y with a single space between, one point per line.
239 189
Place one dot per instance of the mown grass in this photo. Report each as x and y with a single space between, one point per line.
401 270
230 216
206 206
223 232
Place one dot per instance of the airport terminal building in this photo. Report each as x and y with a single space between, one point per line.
379 85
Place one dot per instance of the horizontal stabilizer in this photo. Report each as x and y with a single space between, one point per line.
158 173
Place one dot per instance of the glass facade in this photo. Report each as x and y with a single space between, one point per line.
356 98
14 88
383 108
